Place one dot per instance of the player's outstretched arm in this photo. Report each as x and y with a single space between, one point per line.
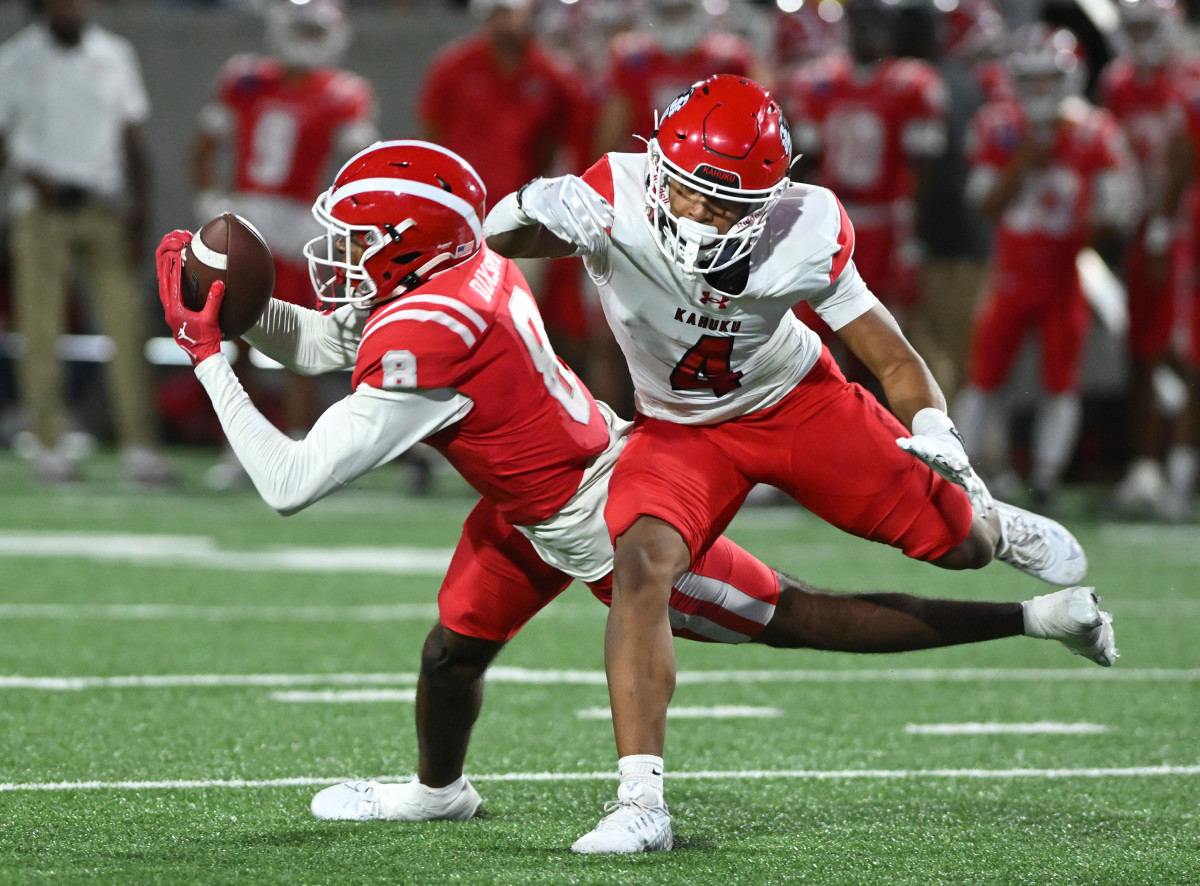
549 218
306 341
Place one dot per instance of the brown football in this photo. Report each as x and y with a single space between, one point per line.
229 248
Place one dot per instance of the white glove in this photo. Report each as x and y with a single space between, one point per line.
568 208
937 442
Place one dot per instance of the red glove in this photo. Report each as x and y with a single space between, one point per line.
197 332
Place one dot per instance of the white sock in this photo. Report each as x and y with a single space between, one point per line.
1055 431
442 793
646 768
1181 468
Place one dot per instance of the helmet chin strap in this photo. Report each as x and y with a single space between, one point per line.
695 236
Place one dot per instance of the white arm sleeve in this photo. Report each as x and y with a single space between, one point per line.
355 435
307 341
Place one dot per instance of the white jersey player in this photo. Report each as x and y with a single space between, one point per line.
700 249
447 346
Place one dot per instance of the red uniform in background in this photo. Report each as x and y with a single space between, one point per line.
648 78
1034 282
867 125
508 124
285 133
1147 104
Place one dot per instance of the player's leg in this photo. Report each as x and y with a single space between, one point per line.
864 484
670 487
729 596
1059 412
496 582
41 244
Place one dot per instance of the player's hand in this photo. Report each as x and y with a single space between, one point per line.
197 332
941 447
569 209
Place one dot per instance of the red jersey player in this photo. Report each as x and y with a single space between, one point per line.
649 67
498 99
1141 88
285 119
871 123
699 249
1053 173
447 346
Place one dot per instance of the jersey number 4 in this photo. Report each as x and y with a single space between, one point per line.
705 366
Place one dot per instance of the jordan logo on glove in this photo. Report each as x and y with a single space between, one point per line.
183 336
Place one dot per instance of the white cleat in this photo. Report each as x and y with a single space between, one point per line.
1073 617
1040 546
638 821
1143 487
411 801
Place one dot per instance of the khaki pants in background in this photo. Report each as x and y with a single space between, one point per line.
45 245
940 324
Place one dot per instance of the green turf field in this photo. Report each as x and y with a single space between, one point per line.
180 672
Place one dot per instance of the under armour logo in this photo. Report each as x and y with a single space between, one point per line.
183 336
719 300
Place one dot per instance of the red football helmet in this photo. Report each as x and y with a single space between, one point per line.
416 210
726 138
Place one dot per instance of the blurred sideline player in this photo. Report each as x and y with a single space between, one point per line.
953 238
1176 217
675 46
1055 175
503 100
870 126
447 346
1140 87
285 118
699 248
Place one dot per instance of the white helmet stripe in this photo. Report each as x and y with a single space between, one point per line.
416 189
417 143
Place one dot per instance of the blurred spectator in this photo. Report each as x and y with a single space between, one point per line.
803 32
72 103
675 45
1054 174
871 127
285 118
498 98
1175 221
579 35
1140 88
953 239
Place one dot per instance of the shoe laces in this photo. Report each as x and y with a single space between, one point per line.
624 812
1026 542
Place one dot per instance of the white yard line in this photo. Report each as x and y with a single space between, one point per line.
717 712
710 775
202 552
596 678
1042 728
330 696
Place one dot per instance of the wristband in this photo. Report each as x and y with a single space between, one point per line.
931 421
507 215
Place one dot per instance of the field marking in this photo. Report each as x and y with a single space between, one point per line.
330 696
596 678
315 613
376 612
1043 728
202 552
607 775
716 712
